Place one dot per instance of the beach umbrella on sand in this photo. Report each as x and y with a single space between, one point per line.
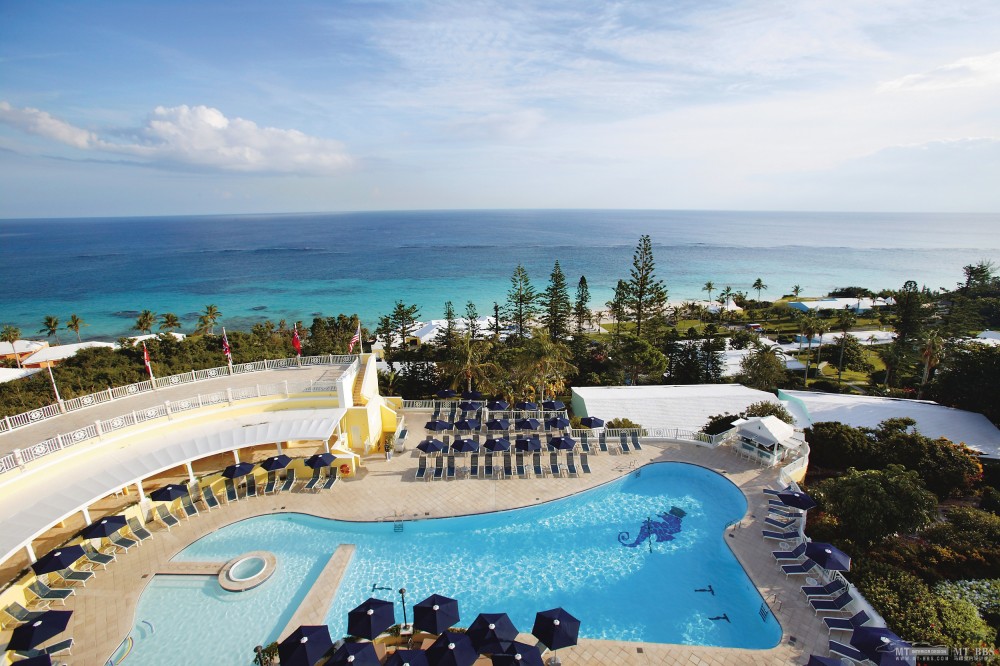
354 654
797 499
430 445
828 556
305 646
435 614
489 630
472 395
465 445
438 425
105 527
446 393
518 654
169 493
527 406
57 560
878 644
467 424
495 444
274 463
562 443
371 618
557 422
591 422
556 628
238 470
528 444
319 460
498 424
451 649
470 406
526 424
32 634
407 658
552 405
498 405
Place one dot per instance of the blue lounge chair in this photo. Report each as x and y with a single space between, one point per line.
439 468
554 463
519 465
536 465
831 605
123 542
805 566
474 466
95 558
859 619
623 442
251 485
831 589
15 613
602 442
188 505
792 554
272 483
137 530
331 478
168 519
508 468
780 524
289 480
209 498
781 536
231 494
421 468
585 463
848 651
314 479
571 464
488 466
786 513
45 593
450 471
635 442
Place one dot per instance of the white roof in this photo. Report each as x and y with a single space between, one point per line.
136 339
767 430
10 374
933 420
684 407
988 338
61 352
839 304
20 347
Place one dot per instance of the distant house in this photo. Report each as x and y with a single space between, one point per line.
20 349
853 304
765 439
50 356
137 339
13 374
988 338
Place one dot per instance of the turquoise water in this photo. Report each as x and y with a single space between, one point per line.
564 553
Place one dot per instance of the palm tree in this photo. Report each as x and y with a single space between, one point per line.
206 322
845 320
725 295
74 325
931 354
709 287
169 321
470 364
145 321
809 325
796 290
759 286
10 335
598 318
50 327
544 363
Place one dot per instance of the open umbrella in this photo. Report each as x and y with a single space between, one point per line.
497 444
38 660
556 628
57 560
877 643
518 654
105 527
498 424
465 445
319 460
562 443
237 470
498 405
42 628
169 493
305 646
591 422
451 649
354 654
438 425
828 556
274 463
489 630
528 444
469 405
472 395
525 405
446 393
824 661
371 618
430 445
797 499
435 614
407 658
467 424
552 405
526 424
557 422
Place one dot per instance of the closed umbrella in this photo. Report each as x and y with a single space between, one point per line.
169 493
42 628
556 628
558 422
518 654
465 445
526 406
472 395
591 422
105 527
407 658
526 424
828 556
797 499
552 405
353 654
529 444
435 614
371 618
237 470
562 443
446 393
470 406
498 424
451 649
57 560
489 630
438 425
495 444
430 445
498 405
274 463
305 646
467 424
319 460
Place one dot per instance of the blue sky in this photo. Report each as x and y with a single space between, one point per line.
148 108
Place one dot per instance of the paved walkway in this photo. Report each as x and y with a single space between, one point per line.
387 490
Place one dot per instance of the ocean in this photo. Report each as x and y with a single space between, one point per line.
295 267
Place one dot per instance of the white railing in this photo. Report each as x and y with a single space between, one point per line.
670 433
98 429
49 411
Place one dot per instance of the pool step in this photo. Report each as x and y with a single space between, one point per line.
313 608
191 568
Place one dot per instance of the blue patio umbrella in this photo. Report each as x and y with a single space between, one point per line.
518 654
472 395
371 618
824 661
430 445
105 527
529 444
591 422
491 631
557 422
274 463
553 405
305 646
562 443
57 560
407 658
438 425
526 424
465 445
320 460
556 628
467 424
32 634
498 405
497 444
525 405
354 654
470 406
169 493
797 499
828 556
237 470
451 649
498 424
446 393
435 614
878 644
38 660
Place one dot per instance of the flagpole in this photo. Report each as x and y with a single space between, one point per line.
149 366
227 350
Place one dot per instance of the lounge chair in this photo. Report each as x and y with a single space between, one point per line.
188 505
519 466
602 442
165 517
635 442
554 463
450 469
15 613
137 530
802 567
331 478
571 464
289 481
585 463
421 468
272 483
584 443
46 593
123 542
831 605
94 557
488 466
400 444
52 650
231 494
780 524
772 491
792 554
209 498
859 619
508 469
781 536
251 485
849 651
474 466
786 513
536 465
439 468
314 479
71 576
623 442
831 589
777 503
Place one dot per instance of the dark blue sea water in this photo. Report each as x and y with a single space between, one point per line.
292 266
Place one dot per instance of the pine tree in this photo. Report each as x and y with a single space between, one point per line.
617 308
497 325
647 297
581 308
472 320
446 336
522 301
403 321
556 308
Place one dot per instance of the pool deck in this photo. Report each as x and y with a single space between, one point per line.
387 490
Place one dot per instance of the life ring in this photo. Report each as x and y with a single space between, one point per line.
345 470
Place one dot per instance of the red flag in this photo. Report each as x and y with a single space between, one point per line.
145 360
355 339
226 349
296 342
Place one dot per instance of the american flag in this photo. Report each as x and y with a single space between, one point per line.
355 339
226 349
296 342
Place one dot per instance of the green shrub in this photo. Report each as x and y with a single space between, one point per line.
621 423
990 500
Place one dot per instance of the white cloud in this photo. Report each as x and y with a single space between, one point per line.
198 136
973 72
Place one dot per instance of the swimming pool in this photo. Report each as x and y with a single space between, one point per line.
574 553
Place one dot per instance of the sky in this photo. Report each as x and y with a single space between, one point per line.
200 107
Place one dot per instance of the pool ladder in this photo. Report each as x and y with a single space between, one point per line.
397 526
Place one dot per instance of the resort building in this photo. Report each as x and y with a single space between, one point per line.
51 356
139 339
854 304
20 349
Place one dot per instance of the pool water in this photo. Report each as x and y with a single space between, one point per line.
687 588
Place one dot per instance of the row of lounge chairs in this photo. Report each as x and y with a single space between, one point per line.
508 467
15 614
625 443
